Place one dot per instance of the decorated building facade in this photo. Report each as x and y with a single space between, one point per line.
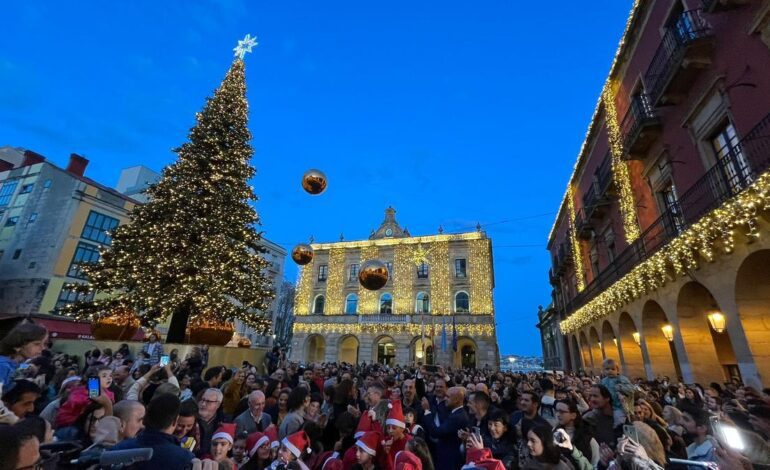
436 308
661 247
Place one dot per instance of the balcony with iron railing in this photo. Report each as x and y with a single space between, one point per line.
640 127
732 173
685 48
562 259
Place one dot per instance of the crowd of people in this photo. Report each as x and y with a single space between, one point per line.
61 411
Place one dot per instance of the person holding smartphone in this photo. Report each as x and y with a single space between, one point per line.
95 384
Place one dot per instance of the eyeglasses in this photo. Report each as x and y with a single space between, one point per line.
206 402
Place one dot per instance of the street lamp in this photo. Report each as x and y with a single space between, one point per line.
717 321
637 338
668 332
615 340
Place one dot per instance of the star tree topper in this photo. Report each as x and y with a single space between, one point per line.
245 45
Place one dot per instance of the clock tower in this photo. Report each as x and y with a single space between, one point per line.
389 227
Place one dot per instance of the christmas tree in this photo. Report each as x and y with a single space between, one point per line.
193 250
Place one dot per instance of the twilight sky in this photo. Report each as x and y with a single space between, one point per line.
452 112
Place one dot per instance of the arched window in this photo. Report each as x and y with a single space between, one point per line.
422 303
318 304
422 270
462 302
386 303
351 304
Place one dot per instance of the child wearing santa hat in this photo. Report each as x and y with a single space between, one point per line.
367 447
396 429
222 443
293 448
258 451
406 460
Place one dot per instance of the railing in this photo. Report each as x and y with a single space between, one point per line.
604 174
688 28
734 172
385 318
639 114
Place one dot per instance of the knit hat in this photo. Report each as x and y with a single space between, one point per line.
364 425
482 458
369 442
272 433
298 443
395 415
406 460
254 441
226 431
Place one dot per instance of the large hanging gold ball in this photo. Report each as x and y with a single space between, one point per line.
302 254
119 325
314 182
373 274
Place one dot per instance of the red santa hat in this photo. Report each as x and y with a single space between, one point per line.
395 415
406 460
225 431
298 443
482 458
364 425
254 441
331 461
272 433
369 442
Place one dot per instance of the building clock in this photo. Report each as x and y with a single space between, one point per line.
389 232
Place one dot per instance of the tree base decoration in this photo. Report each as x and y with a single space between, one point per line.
211 332
120 325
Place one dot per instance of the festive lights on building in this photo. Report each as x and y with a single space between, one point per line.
403 275
368 300
304 289
620 174
440 287
480 274
414 329
713 233
577 255
335 282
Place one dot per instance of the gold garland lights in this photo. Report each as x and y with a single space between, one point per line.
713 232
375 328
335 282
480 274
577 255
620 174
440 291
403 278
304 289
368 300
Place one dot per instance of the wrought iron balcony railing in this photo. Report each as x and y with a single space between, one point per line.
733 173
640 126
687 31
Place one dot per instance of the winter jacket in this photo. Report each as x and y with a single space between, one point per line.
7 370
77 402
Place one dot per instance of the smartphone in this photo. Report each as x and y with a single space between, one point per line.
164 360
94 389
630 431
728 435
476 432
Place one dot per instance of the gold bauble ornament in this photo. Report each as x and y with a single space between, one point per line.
314 182
211 332
119 325
373 274
302 254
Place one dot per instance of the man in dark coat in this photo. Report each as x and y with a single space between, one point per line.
448 455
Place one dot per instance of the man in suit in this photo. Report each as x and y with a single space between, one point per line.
254 419
448 455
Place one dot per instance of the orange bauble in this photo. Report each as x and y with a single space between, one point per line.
314 182
120 325
210 332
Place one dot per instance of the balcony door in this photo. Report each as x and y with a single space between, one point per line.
731 159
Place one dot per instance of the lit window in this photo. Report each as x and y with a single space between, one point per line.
318 304
84 254
460 267
353 272
351 304
422 303
386 303
27 188
323 272
422 270
69 296
462 302
12 221
98 227
6 192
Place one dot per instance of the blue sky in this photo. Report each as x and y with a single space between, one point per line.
452 112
